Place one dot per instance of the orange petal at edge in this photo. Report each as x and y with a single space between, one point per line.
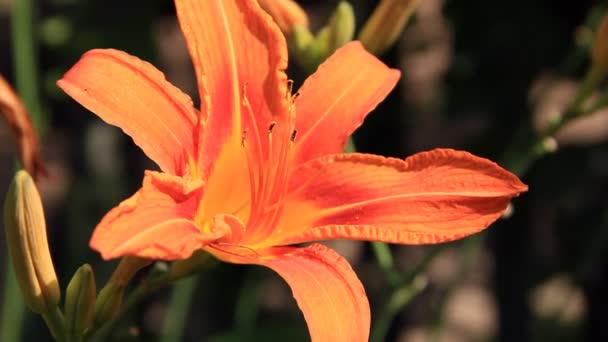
334 100
430 197
237 51
324 285
18 120
155 223
129 93
286 13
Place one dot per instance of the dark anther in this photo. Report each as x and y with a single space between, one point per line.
289 87
293 135
243 138
271 127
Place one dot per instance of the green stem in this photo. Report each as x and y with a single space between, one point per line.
13 307
135 297
55 322
25 59
179 304
399 298
594 77
384 257
403 287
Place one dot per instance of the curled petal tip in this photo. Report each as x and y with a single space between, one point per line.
19 121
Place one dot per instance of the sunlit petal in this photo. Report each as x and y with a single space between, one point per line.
430 197
156 222
323 283
333 102
236 50
133 95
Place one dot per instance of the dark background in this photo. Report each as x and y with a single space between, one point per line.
469 69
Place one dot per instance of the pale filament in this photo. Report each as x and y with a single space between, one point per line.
268 179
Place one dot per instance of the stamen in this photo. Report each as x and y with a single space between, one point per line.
256 180
271 127
289 88
294 133
215 246
243 138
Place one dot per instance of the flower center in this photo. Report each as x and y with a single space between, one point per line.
249 180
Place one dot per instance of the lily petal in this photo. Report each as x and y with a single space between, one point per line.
238 52
324 285
430 197
133 95
20 124
156 222
333 102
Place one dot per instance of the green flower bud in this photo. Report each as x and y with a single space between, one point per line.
341 27
79 303
108 303
386 24
286 13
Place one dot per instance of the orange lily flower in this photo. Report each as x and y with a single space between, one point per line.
256 170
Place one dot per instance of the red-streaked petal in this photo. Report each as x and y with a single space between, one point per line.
156 222
333 102
133 95
323 283
236 49
429 197
19 122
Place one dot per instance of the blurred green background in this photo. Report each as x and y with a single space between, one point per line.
477 75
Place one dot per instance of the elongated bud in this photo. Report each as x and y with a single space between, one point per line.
341 26
599 54
28 246
386 24
80 302
286 13
110 297
108 303
127 268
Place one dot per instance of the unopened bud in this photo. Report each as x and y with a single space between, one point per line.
386 24
311 50
110 297
341 27
79 303
599 54
28 246
108 303
286 13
